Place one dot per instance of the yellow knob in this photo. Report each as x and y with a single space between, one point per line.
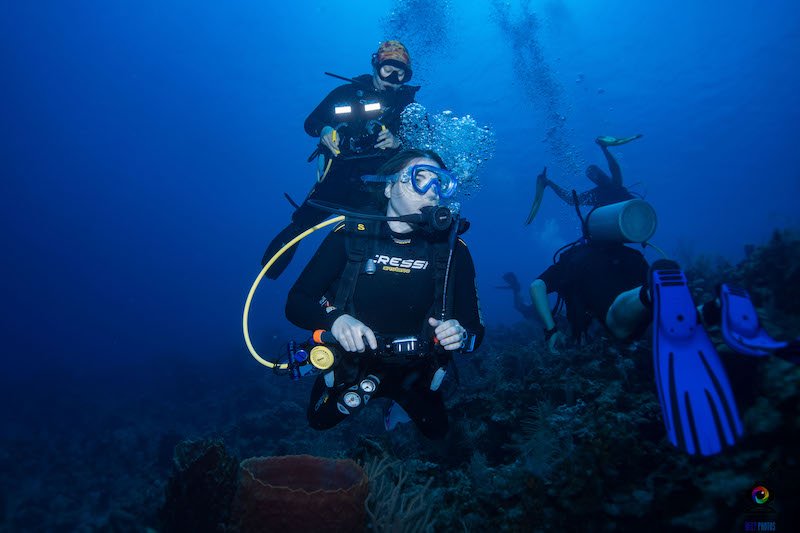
321 357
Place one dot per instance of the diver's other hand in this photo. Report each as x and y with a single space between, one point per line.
554 338
541 179
450 333
350 332
330 140
386 139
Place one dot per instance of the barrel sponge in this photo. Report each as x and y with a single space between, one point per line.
299 493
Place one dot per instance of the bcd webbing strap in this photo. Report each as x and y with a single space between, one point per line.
359 241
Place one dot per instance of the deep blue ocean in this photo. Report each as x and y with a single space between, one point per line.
145 148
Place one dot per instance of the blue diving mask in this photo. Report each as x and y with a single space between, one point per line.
422 178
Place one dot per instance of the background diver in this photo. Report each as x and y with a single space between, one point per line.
512 284
607 190
390 283
609 282
357 125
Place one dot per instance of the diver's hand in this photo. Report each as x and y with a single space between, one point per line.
450 333
330 140
386 139
555 340
541 179
349 333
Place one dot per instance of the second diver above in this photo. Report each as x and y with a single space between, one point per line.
357 125
398 298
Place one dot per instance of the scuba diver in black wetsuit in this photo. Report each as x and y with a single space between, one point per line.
375 284
602 281
608 190
357 126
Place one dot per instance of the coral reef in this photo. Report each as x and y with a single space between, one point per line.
199 493
391 508
573 442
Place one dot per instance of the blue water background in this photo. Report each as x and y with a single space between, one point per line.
146 146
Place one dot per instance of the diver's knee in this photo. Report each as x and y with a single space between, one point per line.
616 329
538 284
626 314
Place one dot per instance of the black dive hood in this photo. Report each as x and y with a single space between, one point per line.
431 219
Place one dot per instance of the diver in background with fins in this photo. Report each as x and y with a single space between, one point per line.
599 278
608 190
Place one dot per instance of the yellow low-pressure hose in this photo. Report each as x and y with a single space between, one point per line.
246 314
321 177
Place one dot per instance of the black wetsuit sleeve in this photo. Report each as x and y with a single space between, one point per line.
613 166
467 308
561 192
323 115
303 308
585 198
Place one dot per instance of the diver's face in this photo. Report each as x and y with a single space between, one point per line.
403 199
386 76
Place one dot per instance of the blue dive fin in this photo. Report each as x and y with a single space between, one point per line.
696 399
740 326
394 416
607 140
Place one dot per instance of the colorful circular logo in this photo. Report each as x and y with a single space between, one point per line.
760 494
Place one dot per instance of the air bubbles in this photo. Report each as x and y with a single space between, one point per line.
463 144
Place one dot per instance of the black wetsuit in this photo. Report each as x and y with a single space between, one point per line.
590 277
395 301
342 184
